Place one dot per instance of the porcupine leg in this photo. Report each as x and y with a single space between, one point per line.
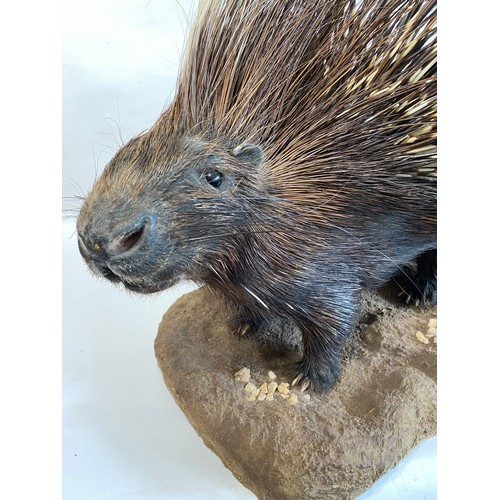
420 286
320 366
323 341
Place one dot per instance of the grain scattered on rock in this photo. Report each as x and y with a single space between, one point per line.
243 375
250 387
271 387
266 390
252 390
421 337
432 327
283 388
262 392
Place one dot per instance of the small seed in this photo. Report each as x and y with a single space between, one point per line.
421 337
271 375
271 387
262 392
242 375
250 388
283 388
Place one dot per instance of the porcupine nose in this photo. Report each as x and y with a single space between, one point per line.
127 241
101 246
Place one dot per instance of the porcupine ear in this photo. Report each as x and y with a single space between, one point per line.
249 153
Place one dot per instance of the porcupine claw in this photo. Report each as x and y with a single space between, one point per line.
243 329
302 382
307 376
409 298
421 286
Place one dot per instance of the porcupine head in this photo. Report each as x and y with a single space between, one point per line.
251 183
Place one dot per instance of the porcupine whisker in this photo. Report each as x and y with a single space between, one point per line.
69 210
110 149
118 123
76 187
105 148
96 170
76 200
69 214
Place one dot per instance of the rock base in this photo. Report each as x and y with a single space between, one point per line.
331 446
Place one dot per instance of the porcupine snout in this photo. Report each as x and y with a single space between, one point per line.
103 245
117 252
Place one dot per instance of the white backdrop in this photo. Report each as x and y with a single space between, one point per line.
123 435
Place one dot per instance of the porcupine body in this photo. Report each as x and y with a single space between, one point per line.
295 166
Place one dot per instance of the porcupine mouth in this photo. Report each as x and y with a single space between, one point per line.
142 285
156 285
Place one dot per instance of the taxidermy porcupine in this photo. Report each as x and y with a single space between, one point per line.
295 166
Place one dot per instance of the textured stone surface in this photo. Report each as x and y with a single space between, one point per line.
331 446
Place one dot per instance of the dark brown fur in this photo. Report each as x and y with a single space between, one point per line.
294 167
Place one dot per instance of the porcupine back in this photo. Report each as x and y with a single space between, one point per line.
316 84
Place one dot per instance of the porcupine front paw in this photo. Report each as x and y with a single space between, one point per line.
420 285
312 376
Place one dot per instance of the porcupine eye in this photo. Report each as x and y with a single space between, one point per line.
214 178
